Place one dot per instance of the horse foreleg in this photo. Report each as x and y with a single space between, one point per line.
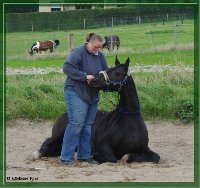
145 156
113 46
104 154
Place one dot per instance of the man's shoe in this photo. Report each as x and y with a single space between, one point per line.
90 161
67 162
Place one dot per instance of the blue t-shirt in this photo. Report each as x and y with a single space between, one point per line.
77 66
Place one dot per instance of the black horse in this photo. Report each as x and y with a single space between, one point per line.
114 133
111 41
44 46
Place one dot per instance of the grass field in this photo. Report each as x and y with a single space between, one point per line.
145 44
165 95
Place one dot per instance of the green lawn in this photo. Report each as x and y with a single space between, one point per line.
146 44
172 57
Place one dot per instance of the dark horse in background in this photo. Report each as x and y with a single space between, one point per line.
44 46
111 42
116 133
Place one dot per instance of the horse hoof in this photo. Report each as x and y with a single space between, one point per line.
37 155
156 158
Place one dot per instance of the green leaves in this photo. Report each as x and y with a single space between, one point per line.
186 110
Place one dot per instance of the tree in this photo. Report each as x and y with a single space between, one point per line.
21 8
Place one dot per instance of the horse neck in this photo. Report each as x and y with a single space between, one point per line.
129 101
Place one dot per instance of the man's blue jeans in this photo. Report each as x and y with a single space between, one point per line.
78 131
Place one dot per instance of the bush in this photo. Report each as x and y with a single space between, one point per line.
73 19
46 88
186 111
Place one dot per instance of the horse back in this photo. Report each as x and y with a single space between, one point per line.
114 39
59 126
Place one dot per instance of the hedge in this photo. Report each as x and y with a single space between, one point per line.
73 19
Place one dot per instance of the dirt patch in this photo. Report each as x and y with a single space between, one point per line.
174 143
136 68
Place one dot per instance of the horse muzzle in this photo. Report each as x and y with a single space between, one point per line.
97 83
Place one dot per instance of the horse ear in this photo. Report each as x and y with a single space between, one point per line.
117 61
127 64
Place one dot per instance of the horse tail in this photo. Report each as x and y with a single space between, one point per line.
57 42
118 41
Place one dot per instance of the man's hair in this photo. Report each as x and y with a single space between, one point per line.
93 37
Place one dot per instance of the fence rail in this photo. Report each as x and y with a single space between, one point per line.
137 37
94 23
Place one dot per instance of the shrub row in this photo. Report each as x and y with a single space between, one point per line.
73 19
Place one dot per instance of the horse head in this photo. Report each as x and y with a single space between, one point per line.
34 48
31 52
113 78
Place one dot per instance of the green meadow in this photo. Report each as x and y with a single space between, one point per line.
150 43
164 95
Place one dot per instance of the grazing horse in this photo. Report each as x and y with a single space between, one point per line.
116 133
44 46
111 41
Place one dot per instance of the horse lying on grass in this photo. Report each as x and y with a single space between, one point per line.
44 46
116 133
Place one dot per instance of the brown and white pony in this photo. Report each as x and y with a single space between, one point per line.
39 46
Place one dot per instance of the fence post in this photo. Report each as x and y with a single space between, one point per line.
150 39
58 25
54 43
111 36
175 34
26 49
31 25
139 21
84 23
70 42
112 22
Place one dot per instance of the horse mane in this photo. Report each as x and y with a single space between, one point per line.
109 117
33 45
